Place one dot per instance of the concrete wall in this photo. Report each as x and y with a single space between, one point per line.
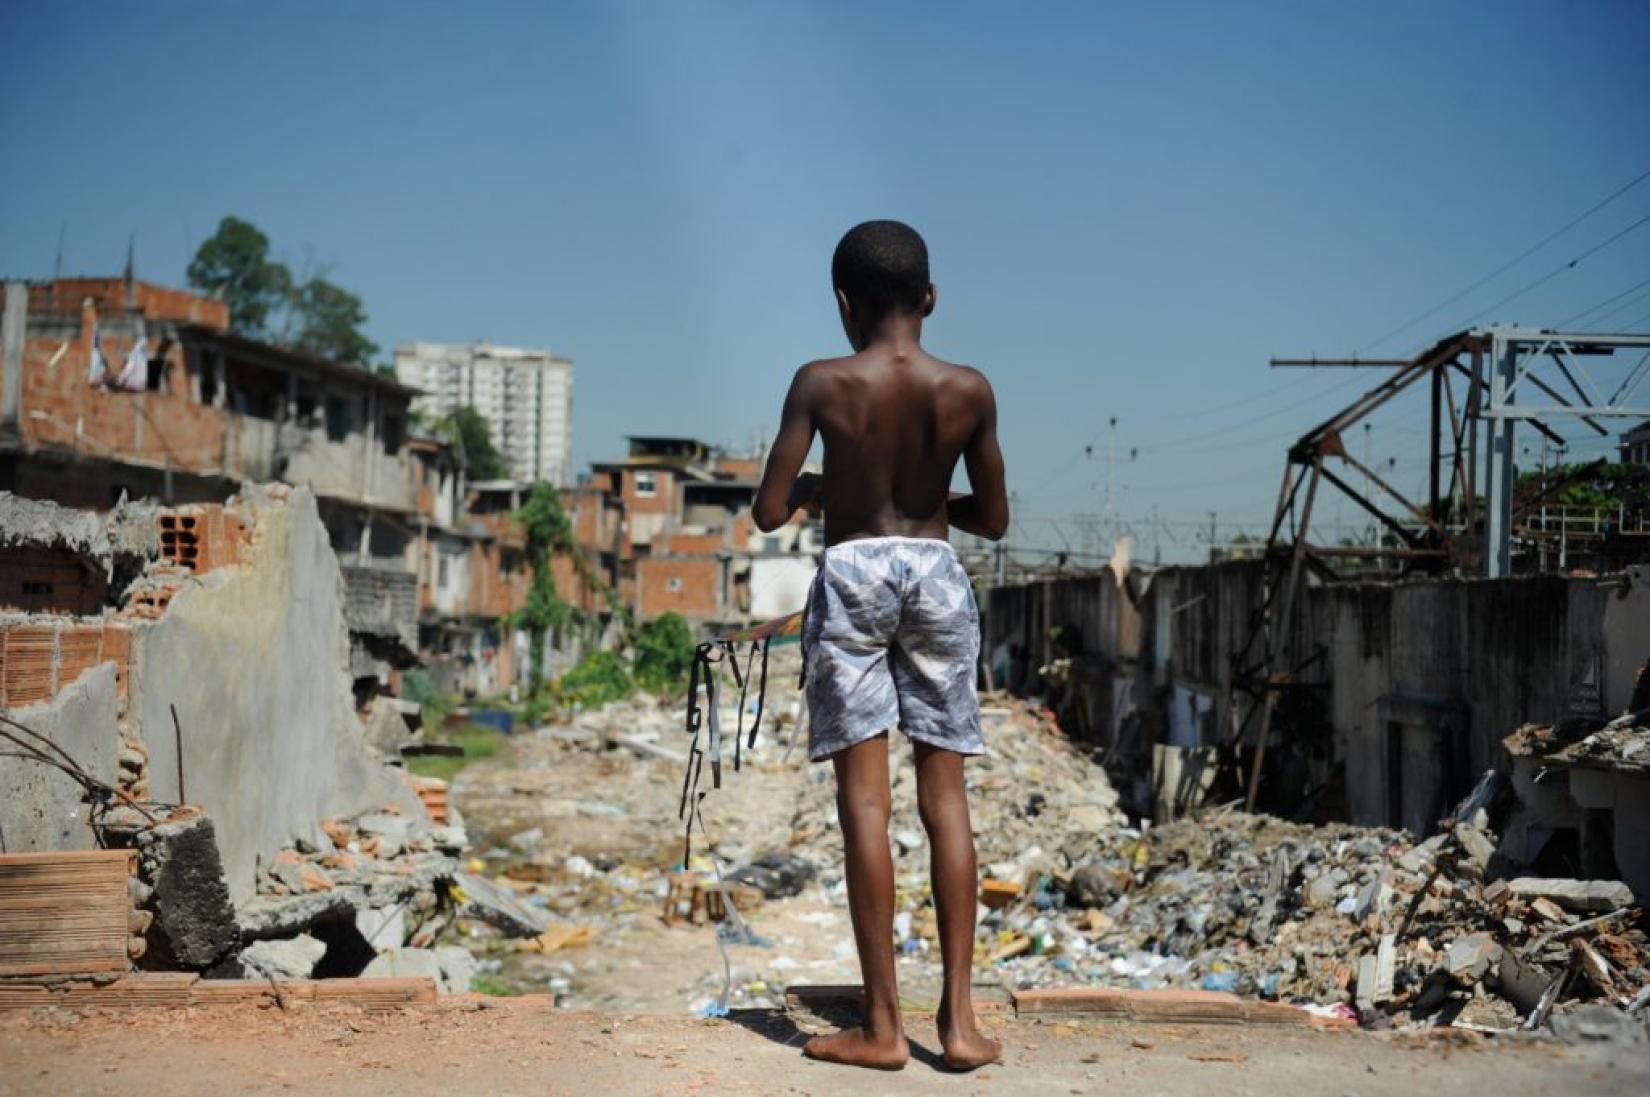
40 807
1427 678
253 658
1422 680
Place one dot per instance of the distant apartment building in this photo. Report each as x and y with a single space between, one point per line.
525 394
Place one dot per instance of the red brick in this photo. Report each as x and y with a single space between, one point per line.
1107 1000
1191 1006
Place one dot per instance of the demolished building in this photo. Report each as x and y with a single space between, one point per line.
176 680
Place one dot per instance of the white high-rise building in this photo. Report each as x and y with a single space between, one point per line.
525 394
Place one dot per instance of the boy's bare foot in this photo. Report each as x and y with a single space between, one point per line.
963 1045
857 1048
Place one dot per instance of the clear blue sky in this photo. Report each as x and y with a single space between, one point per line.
1129 207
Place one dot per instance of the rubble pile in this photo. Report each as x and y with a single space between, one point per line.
373 895
581 825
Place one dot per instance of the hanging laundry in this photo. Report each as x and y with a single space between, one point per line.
134 375
98 372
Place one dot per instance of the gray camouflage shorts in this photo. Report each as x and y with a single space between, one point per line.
891 639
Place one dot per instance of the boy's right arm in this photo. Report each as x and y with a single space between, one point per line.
775 499
984 511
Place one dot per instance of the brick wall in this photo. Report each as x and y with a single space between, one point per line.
691 587
40 659
38 580
163 429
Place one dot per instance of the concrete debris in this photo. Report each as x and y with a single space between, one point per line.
777 875
451 967
1587 896
293 958
194 922
487 901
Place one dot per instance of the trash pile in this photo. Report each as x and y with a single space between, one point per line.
1364 922
1359 920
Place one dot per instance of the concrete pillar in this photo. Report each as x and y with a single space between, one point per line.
1498 471
13 325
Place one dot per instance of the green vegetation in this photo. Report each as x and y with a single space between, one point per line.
1609 485
549 533
664 653
329 322
601 678
494 986
234 264
467 430
478 742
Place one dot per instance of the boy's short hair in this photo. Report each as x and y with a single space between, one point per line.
882 266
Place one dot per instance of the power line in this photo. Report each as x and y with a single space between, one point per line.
1554 273
1508 265
1632 302
1608 300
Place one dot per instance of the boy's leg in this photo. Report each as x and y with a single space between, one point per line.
862 801
942 801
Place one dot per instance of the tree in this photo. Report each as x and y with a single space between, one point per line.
234 264
329 322
549 534
470 433
664 653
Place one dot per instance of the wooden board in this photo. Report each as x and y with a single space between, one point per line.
174 989
65 912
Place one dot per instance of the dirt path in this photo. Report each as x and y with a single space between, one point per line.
523 1046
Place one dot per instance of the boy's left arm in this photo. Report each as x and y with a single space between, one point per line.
778 497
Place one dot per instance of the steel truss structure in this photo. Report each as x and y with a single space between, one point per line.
1476 379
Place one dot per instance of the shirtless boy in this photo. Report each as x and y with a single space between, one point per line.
892 633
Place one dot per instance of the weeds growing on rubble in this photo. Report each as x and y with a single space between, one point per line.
478 742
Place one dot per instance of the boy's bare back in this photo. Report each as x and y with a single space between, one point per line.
894 423
894 419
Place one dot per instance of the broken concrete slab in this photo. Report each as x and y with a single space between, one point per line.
492 904
1587 896
1468 959
194 923
1591 896
452 968
382 927
284 915
288 958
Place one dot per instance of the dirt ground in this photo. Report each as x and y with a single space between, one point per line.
524 1046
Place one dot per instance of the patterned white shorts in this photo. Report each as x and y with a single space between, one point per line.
892 639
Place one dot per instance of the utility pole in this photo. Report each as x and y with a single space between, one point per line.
1214 520
1112 459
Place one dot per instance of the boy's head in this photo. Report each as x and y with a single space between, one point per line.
881 267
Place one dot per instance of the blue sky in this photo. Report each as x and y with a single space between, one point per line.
1129 207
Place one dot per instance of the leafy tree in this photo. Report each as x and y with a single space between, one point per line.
549 533
469 431
1609 485
234 264
329 322
664 653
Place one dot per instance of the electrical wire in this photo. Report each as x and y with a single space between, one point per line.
1508 265
1608 300
1554 273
